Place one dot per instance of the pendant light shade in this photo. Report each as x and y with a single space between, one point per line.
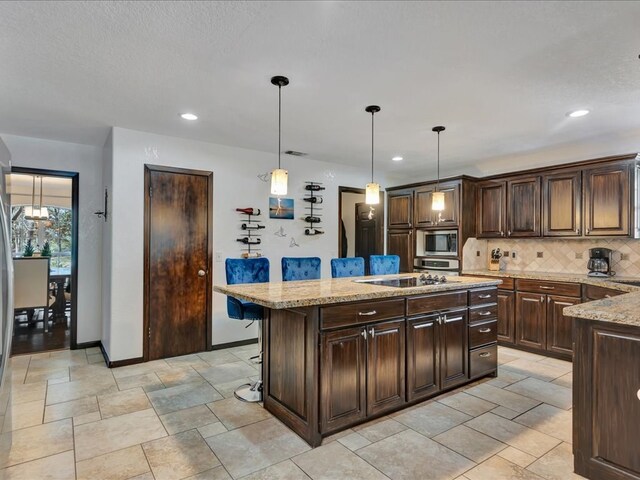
437 197
372 192
279 176
36 211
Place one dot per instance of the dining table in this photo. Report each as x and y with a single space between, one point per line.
59 306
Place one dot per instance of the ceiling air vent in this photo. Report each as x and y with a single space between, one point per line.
295 154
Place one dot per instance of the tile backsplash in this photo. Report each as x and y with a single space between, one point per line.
550 255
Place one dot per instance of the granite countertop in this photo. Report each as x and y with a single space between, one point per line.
337 290
622 309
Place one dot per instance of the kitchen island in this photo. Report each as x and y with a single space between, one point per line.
340 352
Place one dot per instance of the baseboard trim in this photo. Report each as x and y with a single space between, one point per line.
239 343
119 363
80 346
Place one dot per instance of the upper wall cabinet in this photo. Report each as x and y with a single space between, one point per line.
523 207
400 209
562 204
426 217
491 209
606 200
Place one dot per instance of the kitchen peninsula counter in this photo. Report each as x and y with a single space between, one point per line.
339 352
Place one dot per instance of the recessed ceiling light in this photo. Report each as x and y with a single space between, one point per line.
188 116
578 113
397 159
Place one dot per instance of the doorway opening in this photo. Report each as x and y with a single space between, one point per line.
361 226
44 245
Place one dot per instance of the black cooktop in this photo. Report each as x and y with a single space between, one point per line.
406 282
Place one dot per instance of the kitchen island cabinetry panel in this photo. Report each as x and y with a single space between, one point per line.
423 360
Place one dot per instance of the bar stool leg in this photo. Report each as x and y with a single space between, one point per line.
252 392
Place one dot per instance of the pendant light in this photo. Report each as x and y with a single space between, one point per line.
36 212
279 176
372 192
437 197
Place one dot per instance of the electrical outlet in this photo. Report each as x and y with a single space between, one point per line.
578 255
477 253
539 254
219 256
513 254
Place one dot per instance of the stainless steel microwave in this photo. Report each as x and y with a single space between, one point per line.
437 243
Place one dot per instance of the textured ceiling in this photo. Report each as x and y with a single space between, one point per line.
500 75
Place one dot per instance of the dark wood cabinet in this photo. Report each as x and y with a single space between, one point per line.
523 207
606 401
559 326
506 316
491 209
426 217
562 204
400 242
344 366
400 209
531 325
385 366
423 363
594 292
423 213
607 200
454 349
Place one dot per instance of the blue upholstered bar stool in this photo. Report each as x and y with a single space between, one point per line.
384 264
347 267
247 270
300 268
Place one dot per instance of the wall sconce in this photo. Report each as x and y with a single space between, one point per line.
104 213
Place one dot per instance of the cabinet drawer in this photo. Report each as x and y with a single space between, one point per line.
483 333
554 288
487 312
507 283
361 312
483 360
433 303
593 292
483 296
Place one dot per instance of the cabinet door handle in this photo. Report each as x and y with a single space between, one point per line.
607 296
484 330
367 314
638 394
577 231
509 233
484 314
424 325
588 231
484 355
501 233
544 287
386 332
364 333
541 299
484 296
372 332
454 319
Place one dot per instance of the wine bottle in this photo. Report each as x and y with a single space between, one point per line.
314 188
311 219
252 226
249 211
313 231
246 241
313 199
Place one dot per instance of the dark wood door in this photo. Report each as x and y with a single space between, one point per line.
506 316
531 320
400 209
343 383
400 242
424 215
491 210
453 349
615 402
562 204
523 212
178 261
366 234
385 366
423 362
449 217
606 200
559 327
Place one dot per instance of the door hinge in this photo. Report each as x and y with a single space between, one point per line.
151 191
149 332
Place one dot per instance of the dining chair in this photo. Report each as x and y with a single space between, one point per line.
247 270
347 267
300 268
384 264
31 286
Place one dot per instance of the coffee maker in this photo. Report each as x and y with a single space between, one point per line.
600 262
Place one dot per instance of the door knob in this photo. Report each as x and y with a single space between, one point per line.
201 273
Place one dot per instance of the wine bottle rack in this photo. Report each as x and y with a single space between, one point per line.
313 215
250 238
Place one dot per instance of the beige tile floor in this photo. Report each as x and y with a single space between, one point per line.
67 416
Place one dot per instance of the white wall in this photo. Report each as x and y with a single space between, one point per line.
87 161
107 278
236 184
349 201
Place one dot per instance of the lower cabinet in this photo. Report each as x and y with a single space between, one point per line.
363 373
437 353
400 242
531 320
506 316
559 326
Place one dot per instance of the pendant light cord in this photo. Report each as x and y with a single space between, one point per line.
372 114
279 122
438 178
